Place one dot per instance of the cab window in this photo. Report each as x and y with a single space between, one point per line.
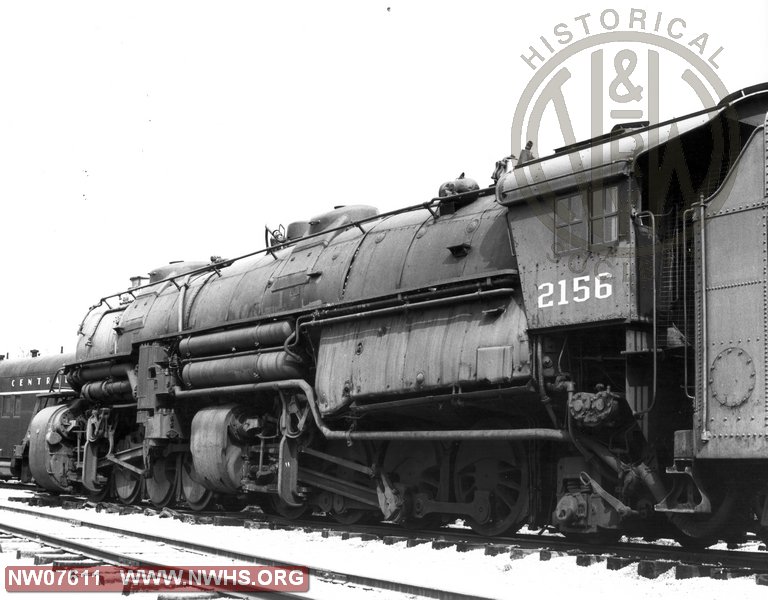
589 218
570 223
604 215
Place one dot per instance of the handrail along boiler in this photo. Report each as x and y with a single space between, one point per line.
580 345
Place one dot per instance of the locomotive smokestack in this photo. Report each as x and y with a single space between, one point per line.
34 353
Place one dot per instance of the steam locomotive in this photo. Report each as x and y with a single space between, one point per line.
583 345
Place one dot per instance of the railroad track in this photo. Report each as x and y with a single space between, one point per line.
75 543
12 484
651 560
59 547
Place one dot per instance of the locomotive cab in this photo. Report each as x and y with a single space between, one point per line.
628 300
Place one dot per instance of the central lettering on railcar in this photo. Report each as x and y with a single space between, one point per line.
21 382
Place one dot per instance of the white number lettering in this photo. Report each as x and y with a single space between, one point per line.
603 290
579 288
547 290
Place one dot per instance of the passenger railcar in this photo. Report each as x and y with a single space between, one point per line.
21 381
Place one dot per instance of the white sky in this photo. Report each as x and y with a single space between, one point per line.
136 133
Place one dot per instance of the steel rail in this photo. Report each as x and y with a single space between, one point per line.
317 572
756 562
116 558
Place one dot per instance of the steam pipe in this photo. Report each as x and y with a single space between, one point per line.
182 298
464 396
479 295
103 390
542 434
546 401
233 340
364 308
501 278
241 369
96 373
